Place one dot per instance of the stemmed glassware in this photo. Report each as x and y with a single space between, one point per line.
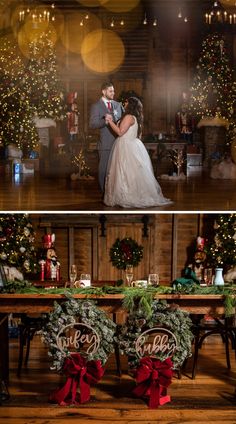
73 275
129 275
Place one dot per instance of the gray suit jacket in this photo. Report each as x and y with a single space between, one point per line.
97 121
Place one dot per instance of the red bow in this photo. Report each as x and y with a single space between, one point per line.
152 378
80 373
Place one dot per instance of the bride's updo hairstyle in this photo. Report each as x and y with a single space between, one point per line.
134 107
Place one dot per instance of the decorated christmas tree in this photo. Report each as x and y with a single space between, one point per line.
17 242
44 85
16 125
222 252
213 93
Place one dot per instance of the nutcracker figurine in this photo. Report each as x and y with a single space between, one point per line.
184 123
50 266
200 259
72 116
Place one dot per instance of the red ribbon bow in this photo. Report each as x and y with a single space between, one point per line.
79 373
152 378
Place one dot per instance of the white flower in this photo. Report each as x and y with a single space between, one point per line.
22 249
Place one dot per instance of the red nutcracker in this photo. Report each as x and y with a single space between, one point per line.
184 123
52 265
72 116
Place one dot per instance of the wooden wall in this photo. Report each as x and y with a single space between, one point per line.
168 244
159 62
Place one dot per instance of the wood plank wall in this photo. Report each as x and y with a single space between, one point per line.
159 62
168 247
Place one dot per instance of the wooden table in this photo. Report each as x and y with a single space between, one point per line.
43 303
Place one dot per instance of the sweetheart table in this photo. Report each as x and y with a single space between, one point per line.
112 303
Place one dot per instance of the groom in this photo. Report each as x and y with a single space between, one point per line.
105 105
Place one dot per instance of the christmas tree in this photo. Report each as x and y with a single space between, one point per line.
17 242
44 85
214 91
222 252
16 124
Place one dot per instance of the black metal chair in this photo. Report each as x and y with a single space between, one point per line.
203 329
27 328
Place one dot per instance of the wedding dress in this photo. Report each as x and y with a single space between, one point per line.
130 181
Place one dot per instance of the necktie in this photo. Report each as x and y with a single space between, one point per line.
109 106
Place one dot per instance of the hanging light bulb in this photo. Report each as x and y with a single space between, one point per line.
145 20
185 19
155 22
180 14
112 23
122 22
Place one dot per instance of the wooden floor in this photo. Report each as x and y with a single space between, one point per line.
40 193
207 399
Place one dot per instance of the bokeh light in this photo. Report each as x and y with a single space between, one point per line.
105 55
24 37
77 29
120 6
93 3
229 3
32 28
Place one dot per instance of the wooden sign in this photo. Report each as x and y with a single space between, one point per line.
156 341
78 337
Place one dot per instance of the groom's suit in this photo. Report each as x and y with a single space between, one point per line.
107 136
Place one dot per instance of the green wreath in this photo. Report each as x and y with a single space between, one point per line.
125 252
87 313
163 315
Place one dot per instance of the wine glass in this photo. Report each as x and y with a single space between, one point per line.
129 274
153 280
73 274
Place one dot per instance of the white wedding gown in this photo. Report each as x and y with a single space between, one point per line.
130 181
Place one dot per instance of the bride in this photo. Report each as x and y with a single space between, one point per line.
130 181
